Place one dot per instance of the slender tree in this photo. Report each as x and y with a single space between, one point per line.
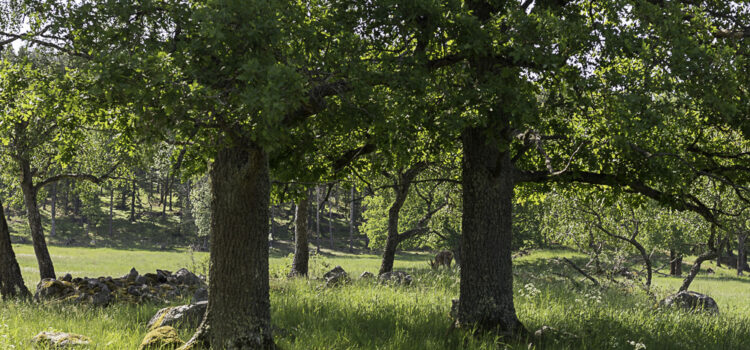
301 249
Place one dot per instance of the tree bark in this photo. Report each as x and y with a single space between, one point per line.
301 248
11 280
389 254
53 211
46 268
238 314
486 289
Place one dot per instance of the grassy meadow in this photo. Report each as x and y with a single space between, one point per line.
364 315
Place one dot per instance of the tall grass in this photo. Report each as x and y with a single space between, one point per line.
366 315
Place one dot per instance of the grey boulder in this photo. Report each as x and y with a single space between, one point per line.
692 301
186 316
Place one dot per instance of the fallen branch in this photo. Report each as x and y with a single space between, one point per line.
592 279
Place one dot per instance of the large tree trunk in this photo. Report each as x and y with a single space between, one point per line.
46 269
11 280
301 248
53 211
486 290
239 313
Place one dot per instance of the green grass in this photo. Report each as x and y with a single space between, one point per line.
367 316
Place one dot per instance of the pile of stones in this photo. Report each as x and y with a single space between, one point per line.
156 287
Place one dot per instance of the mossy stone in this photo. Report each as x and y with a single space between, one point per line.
161 338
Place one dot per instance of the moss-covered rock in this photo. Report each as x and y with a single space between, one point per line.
59 340
53 289
161 338
131 288
188 316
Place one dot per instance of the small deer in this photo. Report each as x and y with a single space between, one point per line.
444 258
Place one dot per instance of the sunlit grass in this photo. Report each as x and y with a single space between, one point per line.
364 315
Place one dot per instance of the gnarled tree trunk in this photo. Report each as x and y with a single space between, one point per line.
239 313
301 248
46 268
11 280
401 185
486 290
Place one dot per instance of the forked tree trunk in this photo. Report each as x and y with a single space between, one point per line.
401 191
486 290
239 313
46 269
301 248
11 280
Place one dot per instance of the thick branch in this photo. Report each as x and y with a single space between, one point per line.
688 202
86 177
